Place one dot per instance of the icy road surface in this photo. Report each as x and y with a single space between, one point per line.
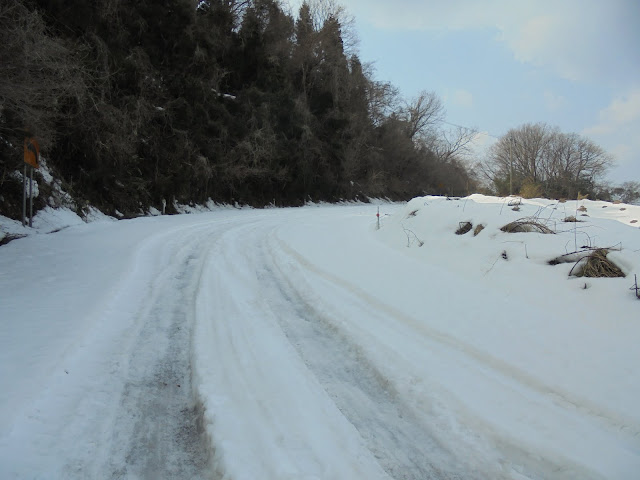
299 344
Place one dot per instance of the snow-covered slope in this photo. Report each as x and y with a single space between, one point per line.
305 343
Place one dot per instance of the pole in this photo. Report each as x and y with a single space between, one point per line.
31 198
510 170
24 195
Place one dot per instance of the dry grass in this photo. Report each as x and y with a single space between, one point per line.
571 218
478 229
531 190
526 225
597 265
463 228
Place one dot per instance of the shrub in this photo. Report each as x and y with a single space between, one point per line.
530 189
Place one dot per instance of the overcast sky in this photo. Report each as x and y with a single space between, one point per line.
498 64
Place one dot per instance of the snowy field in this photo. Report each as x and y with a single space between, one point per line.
307 344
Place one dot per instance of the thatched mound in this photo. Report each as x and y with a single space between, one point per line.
526 225
464 227
597 265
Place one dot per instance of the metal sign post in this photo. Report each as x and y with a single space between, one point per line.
31 158
24 195
31 199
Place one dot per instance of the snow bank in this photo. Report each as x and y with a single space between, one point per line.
541 364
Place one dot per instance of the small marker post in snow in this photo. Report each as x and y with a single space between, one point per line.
378 217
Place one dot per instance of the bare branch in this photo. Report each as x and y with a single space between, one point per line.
423 113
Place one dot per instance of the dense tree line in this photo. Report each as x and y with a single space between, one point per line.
134 102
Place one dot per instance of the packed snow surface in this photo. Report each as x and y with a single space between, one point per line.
309 344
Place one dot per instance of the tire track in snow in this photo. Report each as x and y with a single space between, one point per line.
561 398
512 458
158 430
399 440
270 415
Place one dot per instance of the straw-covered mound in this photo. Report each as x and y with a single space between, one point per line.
526 225
464 227
597 265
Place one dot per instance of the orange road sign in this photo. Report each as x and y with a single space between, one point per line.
31 152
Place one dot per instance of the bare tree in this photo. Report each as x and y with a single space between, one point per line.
563 164
452 143
323 11
235 8
423 114
628 192
528 145
592 161
36 72
383 97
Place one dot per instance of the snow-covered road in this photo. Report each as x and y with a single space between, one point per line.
96 327
297 343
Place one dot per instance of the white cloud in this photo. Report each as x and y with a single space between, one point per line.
623 112
618 132
554 102
626 158
586 40
462 98
483 140
417 14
